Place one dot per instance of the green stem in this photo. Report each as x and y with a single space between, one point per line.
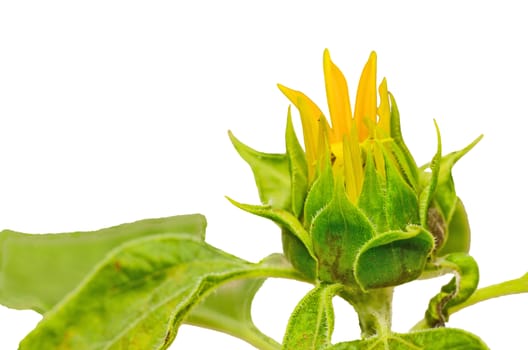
248 333
262 341
374 309
515 286
422 324
230 313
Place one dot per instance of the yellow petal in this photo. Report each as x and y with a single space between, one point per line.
310 117
324 148
384 111
366 101
353 166
337 96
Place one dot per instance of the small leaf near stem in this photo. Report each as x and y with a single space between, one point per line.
462 285
312 322
515 286
458 290
511 287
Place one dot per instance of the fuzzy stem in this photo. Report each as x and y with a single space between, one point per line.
374 309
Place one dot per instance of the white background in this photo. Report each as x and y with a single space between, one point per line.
114 111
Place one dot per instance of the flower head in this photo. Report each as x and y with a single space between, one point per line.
353 205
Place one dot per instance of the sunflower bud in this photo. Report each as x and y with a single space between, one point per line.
353 206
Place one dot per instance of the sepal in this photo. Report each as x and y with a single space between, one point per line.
320 194
282 217
338 231
271 172
371 201
298 169
456 237
402 153
393 258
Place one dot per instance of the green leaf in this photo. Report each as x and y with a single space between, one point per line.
312 322
271 172
140 294
338 232
458 290
298 168
431 339
228 309
393 258
38 270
